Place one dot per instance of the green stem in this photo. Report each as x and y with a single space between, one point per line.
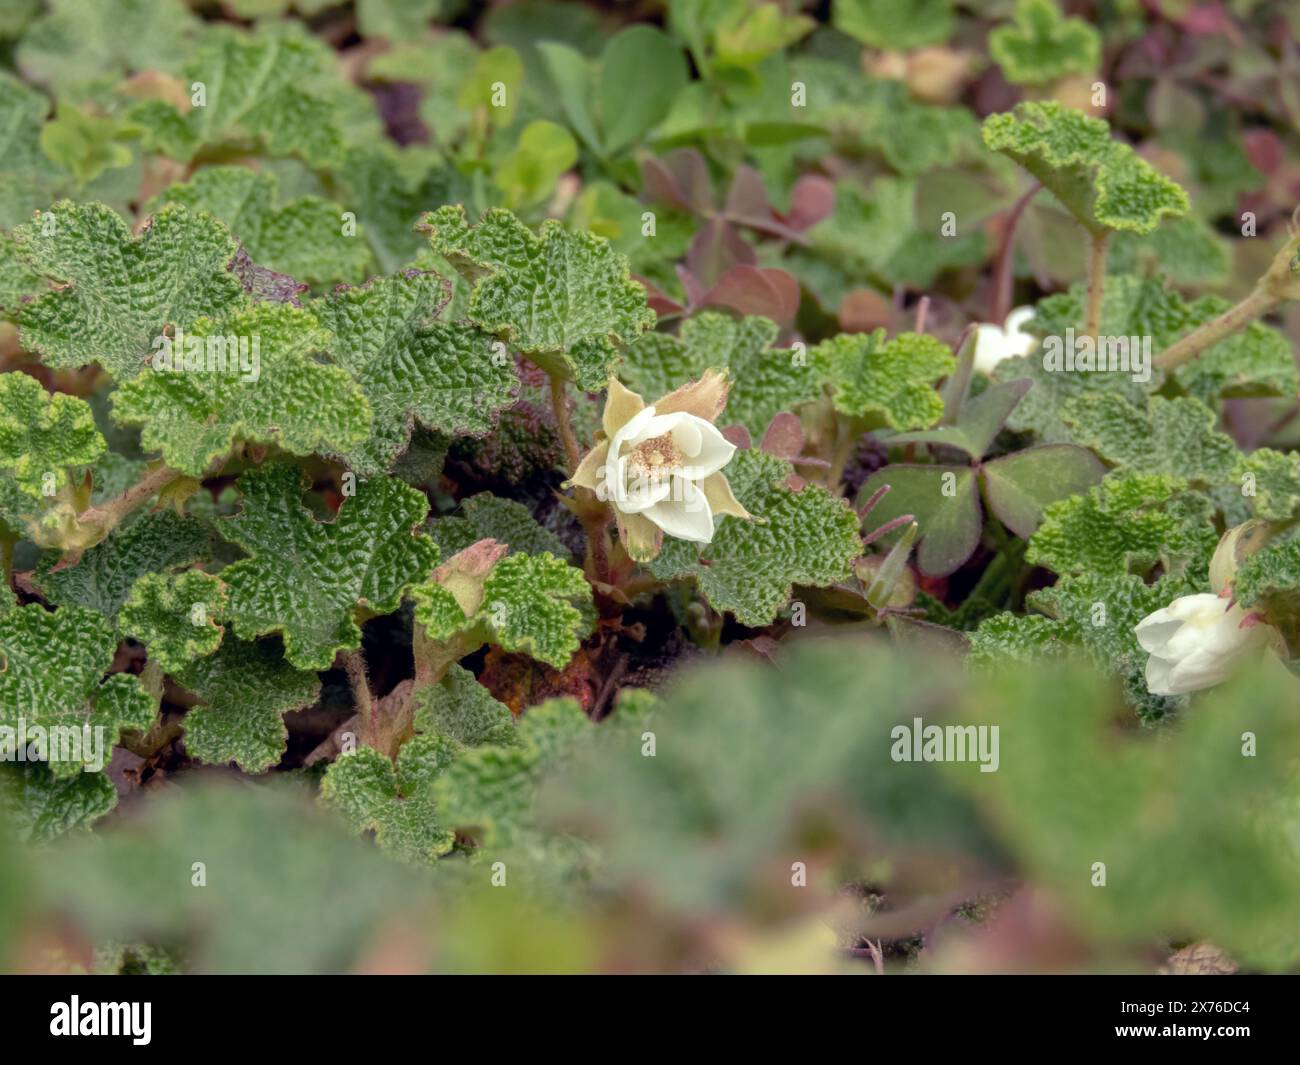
103 517
845 439
1258 303
1098 245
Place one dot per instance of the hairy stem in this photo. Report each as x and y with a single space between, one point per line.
1258 303
1097 248
560 407
105 516
845 439
354 662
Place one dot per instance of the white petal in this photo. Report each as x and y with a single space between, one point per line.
714 452
642 494
1013 327
627 435
656 425
990 347
1157 674
687 516
1155 630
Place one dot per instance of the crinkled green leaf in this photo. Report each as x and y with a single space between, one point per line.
1041 45
1171 436
802 537
397 803
1127 524
26 173
42 434
563 299
102 578
53 664
119 292
42 807
488 517
537 604
303 238
451 378
1270 482
460 707
886 383
1101 181
175 617
1186 250
314 581
84 144
244 690
284 396
764 380
897 25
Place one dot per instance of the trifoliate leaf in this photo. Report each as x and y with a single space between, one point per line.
118 292
244 690
896 25
944 501
250 378
563 299
42 807
304 238
26 172
489 517
537 604
1019 485
1172 436
451 378
102 578
174 617
397 803
1127 524
42 434
1101 181
313 580
886 383
1042 45
1270 482
74 43
800 537
53 664
765 380
460 707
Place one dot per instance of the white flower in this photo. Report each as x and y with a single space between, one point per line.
660 466
993 343
1196 641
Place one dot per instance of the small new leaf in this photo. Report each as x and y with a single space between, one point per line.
1042 45
175 617
42 434
886 383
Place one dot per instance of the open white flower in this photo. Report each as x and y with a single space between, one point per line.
993 343
1197 640
660 466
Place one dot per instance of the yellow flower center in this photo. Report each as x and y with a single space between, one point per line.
655 458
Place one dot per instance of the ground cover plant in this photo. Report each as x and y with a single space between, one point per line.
726 486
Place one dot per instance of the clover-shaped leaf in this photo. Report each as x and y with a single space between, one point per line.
563 299
1104 183
315 581
765 380
303 238
251 378
396 802
806 536
175 617
488 517
41 435
451 378
537 604
886 383
54 662
1042 45
117 292
244 690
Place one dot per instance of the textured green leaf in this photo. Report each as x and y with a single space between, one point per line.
944 500
1126 524
119 292
801 537
26 172
395 802
897 25
244 690
42 807
84 144
564 299
886 383
312 580
1101 181
53 664
175 617
449 377
284 396
537 604
488 517
1041 45
1172 436
1270 480
1186 250
460 707
765 380
102 578
303 238
43 434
